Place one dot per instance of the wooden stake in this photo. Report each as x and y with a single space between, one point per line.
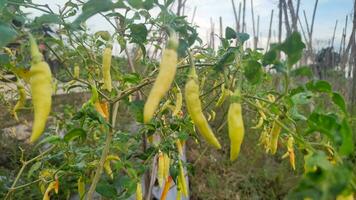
235 15
280 21
243 16
221 27
269 30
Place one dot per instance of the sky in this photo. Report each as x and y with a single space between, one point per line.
327 13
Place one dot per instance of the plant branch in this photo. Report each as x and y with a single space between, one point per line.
100 167
24 165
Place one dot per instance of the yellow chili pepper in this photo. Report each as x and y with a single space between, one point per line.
100 110
21 101
290 146
105 107
76 71
181 179
271 98
160 170
259 123
54 185
41 90
167 161
164 79
138 191
179 147
195 110
179 194
108 170
165 106
81 187
345 197
179 102
265 139
94 94
166 187
107 166
260 110
106 67
213 115
224 94
209 116
235 125
275 131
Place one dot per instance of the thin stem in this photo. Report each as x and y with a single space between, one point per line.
25 185
24 165
99 169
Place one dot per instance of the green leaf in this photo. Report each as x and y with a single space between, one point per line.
52 139
293 47
168 2
347 146
74 133
138 33
148 4
253 71
325 124
270 57
319 86
182 48
136 108
302 98
91 8
295 114
4 59
339 101
302 71
2 5
135 3
105 35
33 168
145 155
226 59
279 67
48 19
242 37
339 134
230 33
321 180
8 34
133 78
122 42
106 190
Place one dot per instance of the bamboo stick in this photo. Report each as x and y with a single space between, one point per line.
280 21
269 30
243 16
235 15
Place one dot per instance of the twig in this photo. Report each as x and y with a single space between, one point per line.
152 179
195 10
24 165
105 152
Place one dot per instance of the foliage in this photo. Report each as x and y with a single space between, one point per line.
75 142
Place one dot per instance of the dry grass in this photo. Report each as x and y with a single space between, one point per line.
255 175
